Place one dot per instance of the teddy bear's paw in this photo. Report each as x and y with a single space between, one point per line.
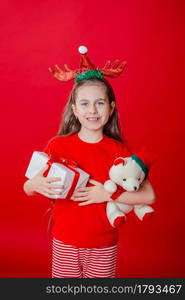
119 221
110 186
148 216
143 211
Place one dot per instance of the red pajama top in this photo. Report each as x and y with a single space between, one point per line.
85 226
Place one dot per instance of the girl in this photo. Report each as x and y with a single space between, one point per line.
84 243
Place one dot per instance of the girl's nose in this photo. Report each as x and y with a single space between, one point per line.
92 109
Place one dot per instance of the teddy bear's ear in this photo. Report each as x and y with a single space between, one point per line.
119 160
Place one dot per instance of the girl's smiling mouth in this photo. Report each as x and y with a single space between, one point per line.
93 118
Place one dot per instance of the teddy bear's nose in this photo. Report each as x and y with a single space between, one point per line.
135 188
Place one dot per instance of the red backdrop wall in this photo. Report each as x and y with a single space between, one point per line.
149 35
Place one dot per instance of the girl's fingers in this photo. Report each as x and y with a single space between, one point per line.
55 186
79 198
45 193
48 196
86 203
84 189
50 192
95 182
80 194
54 193
53 179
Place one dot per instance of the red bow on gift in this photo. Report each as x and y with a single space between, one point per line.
64 161
70 164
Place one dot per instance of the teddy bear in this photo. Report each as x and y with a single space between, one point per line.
127 174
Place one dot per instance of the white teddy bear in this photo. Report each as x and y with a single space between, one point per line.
128 173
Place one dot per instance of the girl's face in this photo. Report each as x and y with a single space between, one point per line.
92 107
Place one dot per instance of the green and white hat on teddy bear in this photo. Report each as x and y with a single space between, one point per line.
144 159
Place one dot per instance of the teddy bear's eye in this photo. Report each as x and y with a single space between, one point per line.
139 179
124 179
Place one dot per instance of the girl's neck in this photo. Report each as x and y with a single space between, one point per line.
90 136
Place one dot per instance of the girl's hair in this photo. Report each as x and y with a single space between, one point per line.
70 124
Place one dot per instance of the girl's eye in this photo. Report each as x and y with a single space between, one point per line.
84 103
124 179
101 103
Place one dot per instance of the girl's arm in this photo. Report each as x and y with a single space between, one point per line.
145 195
97 194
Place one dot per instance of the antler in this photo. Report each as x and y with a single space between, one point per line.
113 69
61 75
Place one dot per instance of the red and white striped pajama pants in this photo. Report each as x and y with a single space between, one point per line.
72 262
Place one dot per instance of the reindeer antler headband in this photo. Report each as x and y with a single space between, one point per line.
87 69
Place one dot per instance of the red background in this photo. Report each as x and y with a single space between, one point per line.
149 35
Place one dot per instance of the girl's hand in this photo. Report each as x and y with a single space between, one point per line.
91 194
42 185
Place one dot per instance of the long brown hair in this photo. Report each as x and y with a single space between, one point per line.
70 124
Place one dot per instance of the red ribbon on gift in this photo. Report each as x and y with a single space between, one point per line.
70 164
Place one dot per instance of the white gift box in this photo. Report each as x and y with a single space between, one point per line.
37 163
67 175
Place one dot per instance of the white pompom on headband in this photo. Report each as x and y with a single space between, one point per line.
82 49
